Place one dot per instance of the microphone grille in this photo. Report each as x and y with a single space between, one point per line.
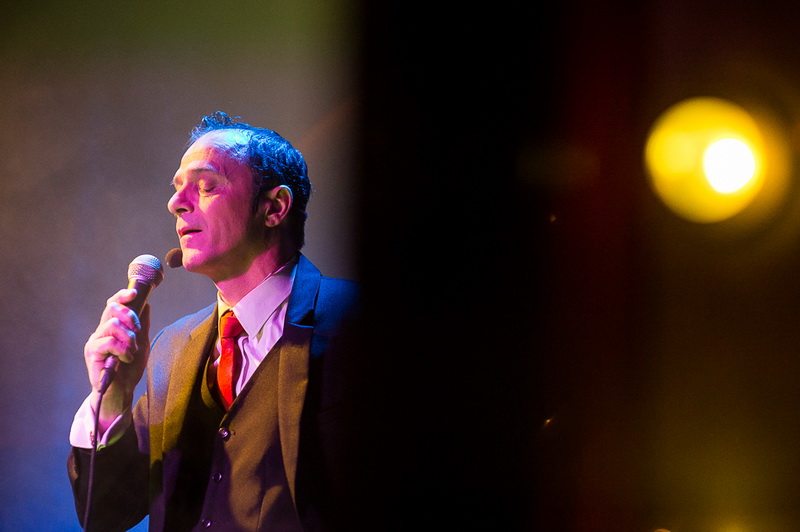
146 268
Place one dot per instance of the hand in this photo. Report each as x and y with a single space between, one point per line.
123 334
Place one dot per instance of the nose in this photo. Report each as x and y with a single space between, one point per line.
179 202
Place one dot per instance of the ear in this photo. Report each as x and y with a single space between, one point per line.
277 203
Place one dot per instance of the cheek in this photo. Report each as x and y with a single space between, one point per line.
229 224
229 216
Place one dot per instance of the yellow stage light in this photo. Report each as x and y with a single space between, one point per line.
708 159
729 165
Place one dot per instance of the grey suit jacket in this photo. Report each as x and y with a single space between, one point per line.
139 474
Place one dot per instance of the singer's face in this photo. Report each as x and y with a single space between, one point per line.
219 231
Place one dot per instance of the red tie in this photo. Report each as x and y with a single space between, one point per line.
229 358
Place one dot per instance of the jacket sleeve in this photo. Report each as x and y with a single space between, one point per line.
119 483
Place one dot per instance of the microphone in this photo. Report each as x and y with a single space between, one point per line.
145 272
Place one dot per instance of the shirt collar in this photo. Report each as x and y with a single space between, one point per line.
255 308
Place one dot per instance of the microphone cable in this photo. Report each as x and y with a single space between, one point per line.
87 511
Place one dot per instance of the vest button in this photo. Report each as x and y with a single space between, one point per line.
224 433
206 523
217 477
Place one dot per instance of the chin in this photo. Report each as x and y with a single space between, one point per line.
192 260
197 262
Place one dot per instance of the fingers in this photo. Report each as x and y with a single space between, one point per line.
117 332
112 337
123 334
115 308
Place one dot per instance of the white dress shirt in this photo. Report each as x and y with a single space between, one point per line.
262 313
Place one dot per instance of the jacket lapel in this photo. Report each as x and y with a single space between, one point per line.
292 385
293 369
185 375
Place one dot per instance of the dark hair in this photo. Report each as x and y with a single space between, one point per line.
273 160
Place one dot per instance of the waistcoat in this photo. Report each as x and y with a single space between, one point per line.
232 475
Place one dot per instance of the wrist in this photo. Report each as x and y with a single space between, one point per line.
113 405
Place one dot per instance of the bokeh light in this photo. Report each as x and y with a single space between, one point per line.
729 164
708 159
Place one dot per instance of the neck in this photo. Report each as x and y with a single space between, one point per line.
233 289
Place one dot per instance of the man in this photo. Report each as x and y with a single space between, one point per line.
260 450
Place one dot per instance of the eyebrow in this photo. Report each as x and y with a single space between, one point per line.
202 169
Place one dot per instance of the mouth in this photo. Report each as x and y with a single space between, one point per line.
187 231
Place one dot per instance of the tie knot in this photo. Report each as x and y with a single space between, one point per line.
229 326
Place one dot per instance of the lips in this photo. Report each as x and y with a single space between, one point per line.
187 231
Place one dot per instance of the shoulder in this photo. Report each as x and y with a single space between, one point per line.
344 291
193 320
331 298
184 325
180 344
337 303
